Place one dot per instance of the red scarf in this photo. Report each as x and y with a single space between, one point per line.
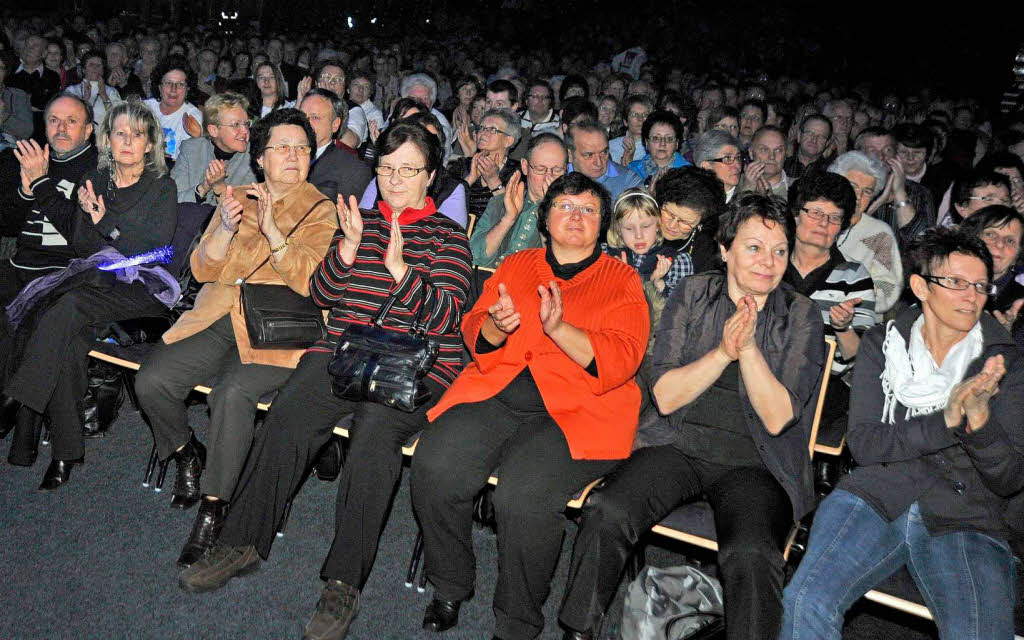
408 215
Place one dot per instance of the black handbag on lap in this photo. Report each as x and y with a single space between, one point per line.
374 364
276 317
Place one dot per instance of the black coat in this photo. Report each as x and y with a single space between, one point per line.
339 172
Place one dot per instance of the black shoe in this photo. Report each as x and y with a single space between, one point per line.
102 401
205 531
441 615
571 634
217 566
57 474
337 608
8 411
25 443
190 461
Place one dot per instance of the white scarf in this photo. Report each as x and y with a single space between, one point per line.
911 377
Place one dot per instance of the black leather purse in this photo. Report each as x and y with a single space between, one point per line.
373 364
276 317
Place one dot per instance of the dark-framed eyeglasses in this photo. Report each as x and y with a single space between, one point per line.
728 160
818 215
406 172
959 284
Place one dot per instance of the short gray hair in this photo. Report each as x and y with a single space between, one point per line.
418 80
860 161
710 144
513 126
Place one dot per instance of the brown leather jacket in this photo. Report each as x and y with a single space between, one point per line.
220 294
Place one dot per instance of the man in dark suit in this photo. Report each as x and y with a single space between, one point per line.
291 73
333 172
37 81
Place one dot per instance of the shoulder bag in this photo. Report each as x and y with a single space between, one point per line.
276 317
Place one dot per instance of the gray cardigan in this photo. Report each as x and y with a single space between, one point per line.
190 168
16 116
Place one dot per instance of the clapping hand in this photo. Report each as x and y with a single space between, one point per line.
738 333
550 307
351 223
191 126
303 88
394 262
515 194
754 178
465 138
840 315
628 149
1008 317
503 312
91 203
265 214
374 128
971 397
230 211
215 174
35 162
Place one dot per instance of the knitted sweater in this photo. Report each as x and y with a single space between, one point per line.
872 243
597 414
435 249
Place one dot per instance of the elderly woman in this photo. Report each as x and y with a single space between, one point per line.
935 429
179 119
662 132
210 342
691 200
93 88
127 205
404 250
489 169
866 240
207 165
549 401
719 152
270 82
737 362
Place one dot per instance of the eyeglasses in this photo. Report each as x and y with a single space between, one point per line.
989 235
728 160
285 149
328 79
639 115
406 172
174 85
818 215
910 154
491 130
991 200
671 220
236 125
662 139
959 284
567 208
543 171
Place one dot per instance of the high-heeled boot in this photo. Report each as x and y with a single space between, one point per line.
205 531
190 461
25 443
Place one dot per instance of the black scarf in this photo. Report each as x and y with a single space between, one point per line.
568 271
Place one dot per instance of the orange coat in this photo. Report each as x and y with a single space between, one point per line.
597 415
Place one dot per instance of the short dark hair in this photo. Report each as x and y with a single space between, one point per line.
575 106
872 132
995 215
823 185
402 105
172 63
401 132
935 245
264 126
662 117
915 136
96 53
1001 160
721 111
323 64
425 119
573 184
504 86
816 116
747 206
757 104
583 126
968 182
691 187
570 81
636 98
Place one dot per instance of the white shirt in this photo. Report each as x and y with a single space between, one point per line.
615 149
357 124
287 104
99 109
173 124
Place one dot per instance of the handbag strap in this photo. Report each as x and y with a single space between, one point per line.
418 324
301 220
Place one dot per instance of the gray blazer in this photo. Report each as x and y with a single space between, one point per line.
16 114
190 168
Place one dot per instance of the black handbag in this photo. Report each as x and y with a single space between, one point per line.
373 364
276 317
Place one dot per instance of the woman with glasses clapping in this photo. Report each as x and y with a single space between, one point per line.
179 119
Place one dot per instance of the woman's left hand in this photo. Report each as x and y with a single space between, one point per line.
841 315
91 203
265 214
393 260
550 307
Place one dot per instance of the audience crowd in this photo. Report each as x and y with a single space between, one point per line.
629 269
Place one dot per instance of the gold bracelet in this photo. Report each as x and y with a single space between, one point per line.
283 246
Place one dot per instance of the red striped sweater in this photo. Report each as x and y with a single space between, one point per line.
435 249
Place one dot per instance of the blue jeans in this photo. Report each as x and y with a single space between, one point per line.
966 578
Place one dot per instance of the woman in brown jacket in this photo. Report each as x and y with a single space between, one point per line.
211 342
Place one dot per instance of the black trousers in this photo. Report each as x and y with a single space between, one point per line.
300 422
52 374
13 280
210 356
752 519
536 477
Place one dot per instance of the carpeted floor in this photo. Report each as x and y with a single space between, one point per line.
96 560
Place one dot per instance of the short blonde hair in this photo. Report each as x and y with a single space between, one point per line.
632 201
141 119
218 103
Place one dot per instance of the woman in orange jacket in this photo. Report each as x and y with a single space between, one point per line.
548 404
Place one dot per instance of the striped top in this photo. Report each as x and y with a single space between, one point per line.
838 280
435 249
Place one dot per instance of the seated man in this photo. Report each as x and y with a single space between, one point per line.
765 174
814 133
866 240
333 171
509 223
587 142
736 389
45 179
539 116
940 449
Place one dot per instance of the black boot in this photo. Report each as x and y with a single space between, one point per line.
205 531
58 474
103 400
8 413
25 443
190 461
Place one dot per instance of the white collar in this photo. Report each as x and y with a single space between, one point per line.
320 150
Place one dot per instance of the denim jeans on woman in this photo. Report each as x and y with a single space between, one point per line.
965 577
